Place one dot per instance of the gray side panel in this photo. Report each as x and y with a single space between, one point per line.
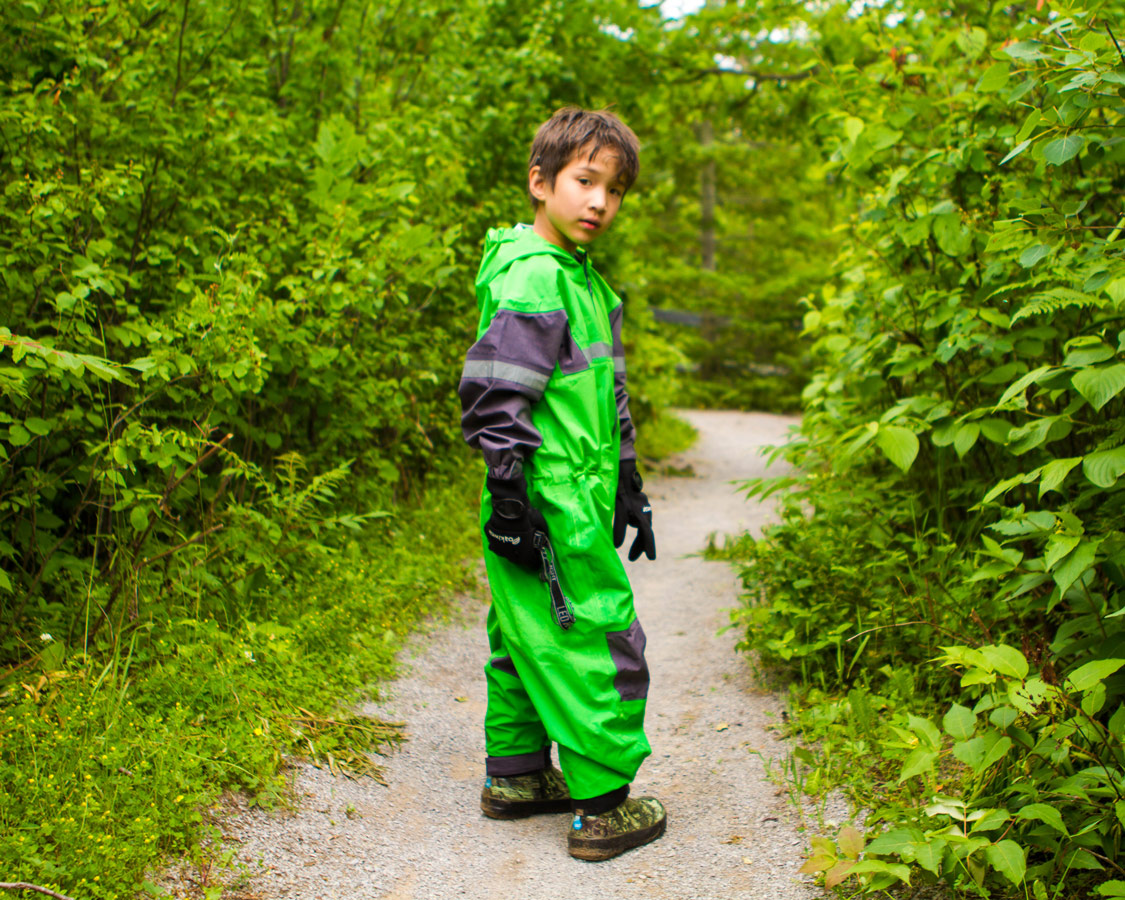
506 371
529 340
627 648
504 664
628 432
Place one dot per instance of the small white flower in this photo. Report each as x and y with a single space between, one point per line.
45 638
249 654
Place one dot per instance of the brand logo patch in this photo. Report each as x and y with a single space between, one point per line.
512 539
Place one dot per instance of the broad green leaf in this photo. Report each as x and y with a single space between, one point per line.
138 518
946 806
1031 435
1033 254
899 445
1043 812
951 236
1116 290
926 730
1004 486
1007 858
1026 50
1033 118
1058 546
944 434
1020 385
1104 467
37 426
1086 351
895 870
928 855
1016 150
971 752
896 841
1115 888
1074 565
1086 676
1062 149
988 820
966 436
853 127
1030 696
917 763
994 78
1101 384
996 752
1054 473
1003 373
1005 660
18 435
995 430
960 722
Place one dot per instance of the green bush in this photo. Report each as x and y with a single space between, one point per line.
958 508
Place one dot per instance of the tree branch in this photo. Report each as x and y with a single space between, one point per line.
187 543
180 53
26 886
1115 44
756 75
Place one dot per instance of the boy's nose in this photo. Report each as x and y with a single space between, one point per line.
597 199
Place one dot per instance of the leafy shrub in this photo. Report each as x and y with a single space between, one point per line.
962 444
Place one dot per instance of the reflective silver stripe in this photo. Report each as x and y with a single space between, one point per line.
502 371
619 364
597 351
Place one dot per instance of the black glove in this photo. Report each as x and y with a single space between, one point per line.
631 507
511 527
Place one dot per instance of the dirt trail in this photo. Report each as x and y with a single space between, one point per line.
730 834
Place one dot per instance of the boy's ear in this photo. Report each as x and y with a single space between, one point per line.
536 183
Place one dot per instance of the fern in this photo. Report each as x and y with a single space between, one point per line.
1055 299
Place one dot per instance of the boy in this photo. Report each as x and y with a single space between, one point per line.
543 396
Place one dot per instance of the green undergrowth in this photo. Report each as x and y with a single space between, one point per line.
112 758
116 753
664 435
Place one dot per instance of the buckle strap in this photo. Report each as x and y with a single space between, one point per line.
560 605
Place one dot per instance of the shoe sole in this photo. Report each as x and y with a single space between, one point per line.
497 808
599 849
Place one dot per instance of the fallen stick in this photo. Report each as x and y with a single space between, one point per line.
25 886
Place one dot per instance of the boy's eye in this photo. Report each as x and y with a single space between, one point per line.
583 180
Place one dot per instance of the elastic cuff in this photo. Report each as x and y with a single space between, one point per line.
603 803
520 764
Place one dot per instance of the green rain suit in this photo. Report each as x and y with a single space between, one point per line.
543 392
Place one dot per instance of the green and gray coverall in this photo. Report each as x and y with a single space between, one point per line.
543 392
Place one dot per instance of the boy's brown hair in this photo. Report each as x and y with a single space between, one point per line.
571 130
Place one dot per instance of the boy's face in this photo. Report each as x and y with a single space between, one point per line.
583 202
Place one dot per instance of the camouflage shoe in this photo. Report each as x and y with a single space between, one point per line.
634 822
519 796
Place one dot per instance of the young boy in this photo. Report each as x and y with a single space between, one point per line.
543 396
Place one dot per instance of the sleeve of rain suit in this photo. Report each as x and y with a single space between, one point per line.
505 372
628 433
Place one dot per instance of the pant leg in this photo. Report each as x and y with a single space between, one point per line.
588 685
515 739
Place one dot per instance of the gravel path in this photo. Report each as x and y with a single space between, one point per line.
730 833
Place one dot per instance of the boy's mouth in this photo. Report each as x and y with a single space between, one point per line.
591 224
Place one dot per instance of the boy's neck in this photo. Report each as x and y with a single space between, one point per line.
542 227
